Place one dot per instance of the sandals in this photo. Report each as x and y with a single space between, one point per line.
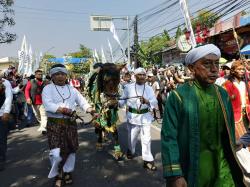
68 178
58 182
150 166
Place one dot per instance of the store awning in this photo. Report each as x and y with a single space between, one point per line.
245 50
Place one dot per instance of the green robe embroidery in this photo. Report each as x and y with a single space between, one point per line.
180 135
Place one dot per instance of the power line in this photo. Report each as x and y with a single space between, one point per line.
220 10
50 10
235 7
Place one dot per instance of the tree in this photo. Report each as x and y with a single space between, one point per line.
46 65
205 18
83 53
83 67
149 51
178 33
6 20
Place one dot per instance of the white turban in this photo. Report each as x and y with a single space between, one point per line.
140 71
199 52
58 69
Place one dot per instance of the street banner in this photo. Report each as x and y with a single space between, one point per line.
22 56
185 12
30 62
103 56
111 51
112 29
96 56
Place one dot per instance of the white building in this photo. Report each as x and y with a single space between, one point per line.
7 61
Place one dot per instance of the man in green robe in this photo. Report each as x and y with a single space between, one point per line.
197 136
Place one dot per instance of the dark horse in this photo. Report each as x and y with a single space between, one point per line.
103 92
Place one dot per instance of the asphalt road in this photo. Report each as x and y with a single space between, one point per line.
28 163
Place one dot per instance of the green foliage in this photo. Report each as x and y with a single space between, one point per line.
84 52
82 68
178 32
205 18
47 56
45 65
149 51
6 20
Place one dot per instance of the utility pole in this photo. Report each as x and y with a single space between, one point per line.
128 30
136 43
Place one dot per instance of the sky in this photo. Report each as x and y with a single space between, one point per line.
60 26
64 32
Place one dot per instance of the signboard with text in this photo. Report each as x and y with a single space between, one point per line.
100 23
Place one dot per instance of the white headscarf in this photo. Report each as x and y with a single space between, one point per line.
58 69
197 53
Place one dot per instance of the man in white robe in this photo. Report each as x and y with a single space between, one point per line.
140 101
59 100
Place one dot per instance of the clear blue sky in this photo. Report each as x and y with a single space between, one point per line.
45 28
64 31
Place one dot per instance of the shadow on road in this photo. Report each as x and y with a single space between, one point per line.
28 163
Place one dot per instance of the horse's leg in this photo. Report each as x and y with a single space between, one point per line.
117 148
99 139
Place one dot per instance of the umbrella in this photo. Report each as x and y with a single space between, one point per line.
245 50
222 60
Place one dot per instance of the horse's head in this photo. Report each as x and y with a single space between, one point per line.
109 79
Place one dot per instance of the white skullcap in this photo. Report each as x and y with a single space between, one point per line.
140 71
199 52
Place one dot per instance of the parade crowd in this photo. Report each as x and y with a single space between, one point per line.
203 108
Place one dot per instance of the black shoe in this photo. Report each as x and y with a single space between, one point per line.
129 155
2 165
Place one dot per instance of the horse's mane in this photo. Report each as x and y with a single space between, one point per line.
91 83
108 71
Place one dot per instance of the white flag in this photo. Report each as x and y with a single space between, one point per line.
96 56
103 57
22 56
36 62
26 61
185 12
30 62
112 29
111 51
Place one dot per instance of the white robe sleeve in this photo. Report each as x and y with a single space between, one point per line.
81 101
47 98
8 97
151 98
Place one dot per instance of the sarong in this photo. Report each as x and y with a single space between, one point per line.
62 133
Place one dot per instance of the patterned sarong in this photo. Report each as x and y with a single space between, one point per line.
62 133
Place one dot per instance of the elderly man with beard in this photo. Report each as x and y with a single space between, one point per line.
59 101
140 100
198 138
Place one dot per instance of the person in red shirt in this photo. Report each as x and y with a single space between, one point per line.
33 95
238 91
75 83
